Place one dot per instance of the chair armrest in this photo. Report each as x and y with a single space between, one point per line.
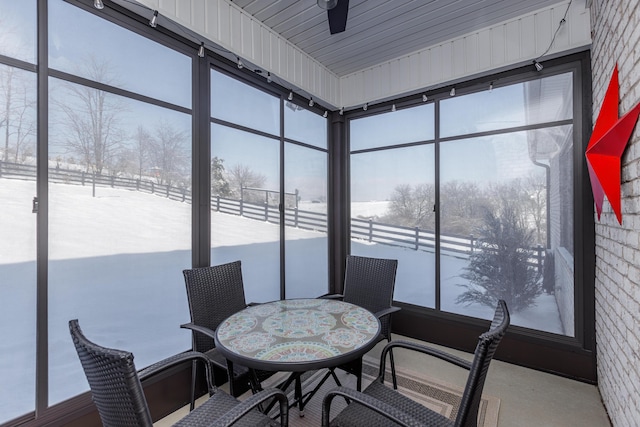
387 311
167 363
391 412
201 329
331 296
458 361
252 402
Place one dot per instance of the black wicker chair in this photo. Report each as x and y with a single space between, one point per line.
215 293
380 405
118 395
369 283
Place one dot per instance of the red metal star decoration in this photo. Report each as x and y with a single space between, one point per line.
608 141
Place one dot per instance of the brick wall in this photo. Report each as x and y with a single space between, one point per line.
616 38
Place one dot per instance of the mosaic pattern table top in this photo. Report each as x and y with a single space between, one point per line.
297 334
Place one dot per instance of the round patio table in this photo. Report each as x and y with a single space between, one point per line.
297 335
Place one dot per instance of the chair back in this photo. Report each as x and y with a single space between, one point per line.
487 343
214 293
115 387
369 283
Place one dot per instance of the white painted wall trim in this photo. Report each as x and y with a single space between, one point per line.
509 43
516 41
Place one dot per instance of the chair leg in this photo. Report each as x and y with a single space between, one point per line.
231 377
393 367
194 368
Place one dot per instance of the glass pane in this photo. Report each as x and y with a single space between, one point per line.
304 126
120 228
398 127
236 102
18 29
503 201
532 102
244 201
306 244
18 247
88 46
392 216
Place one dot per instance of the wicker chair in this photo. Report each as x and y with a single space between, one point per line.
117 390
380 405
215 293
369 283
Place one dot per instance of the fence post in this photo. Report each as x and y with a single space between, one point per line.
417 238
153 187
539 257
471 242
370 230
0 168
93 190
266 212
218 203
168 187
184 194
113 181
295 215
241 200
137 185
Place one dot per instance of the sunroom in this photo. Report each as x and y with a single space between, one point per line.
141 138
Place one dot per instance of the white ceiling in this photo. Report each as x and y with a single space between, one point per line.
380 30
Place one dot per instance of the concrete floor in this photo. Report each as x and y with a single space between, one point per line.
527 397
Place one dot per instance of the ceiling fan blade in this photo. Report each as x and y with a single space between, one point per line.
338 17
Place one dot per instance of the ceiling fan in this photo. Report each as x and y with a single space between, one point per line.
337 11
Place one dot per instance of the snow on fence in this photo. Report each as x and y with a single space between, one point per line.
363 229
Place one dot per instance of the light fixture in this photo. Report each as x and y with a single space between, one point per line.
424 98
290 97
268 77
154 19
491 87
393 107
201 50
240 64
311 102
327 4
538 65
98 4
341 110
326 113
365 106
453 92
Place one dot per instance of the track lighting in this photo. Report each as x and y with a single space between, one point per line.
341 110
290 97
538 65
240 64
491 87
268 77
424 98
311 102
365 106
98 4
201 50
326 113
453 92
154 19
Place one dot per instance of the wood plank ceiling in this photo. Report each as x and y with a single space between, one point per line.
380 30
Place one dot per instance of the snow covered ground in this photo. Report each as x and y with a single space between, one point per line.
116 261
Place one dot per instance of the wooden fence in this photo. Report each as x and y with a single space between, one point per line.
368 230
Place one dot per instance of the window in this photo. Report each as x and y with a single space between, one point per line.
505 192
119 194
18 130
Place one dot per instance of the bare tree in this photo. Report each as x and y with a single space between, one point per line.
169 154
412 206
142 144
92 119
241 176
17 115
